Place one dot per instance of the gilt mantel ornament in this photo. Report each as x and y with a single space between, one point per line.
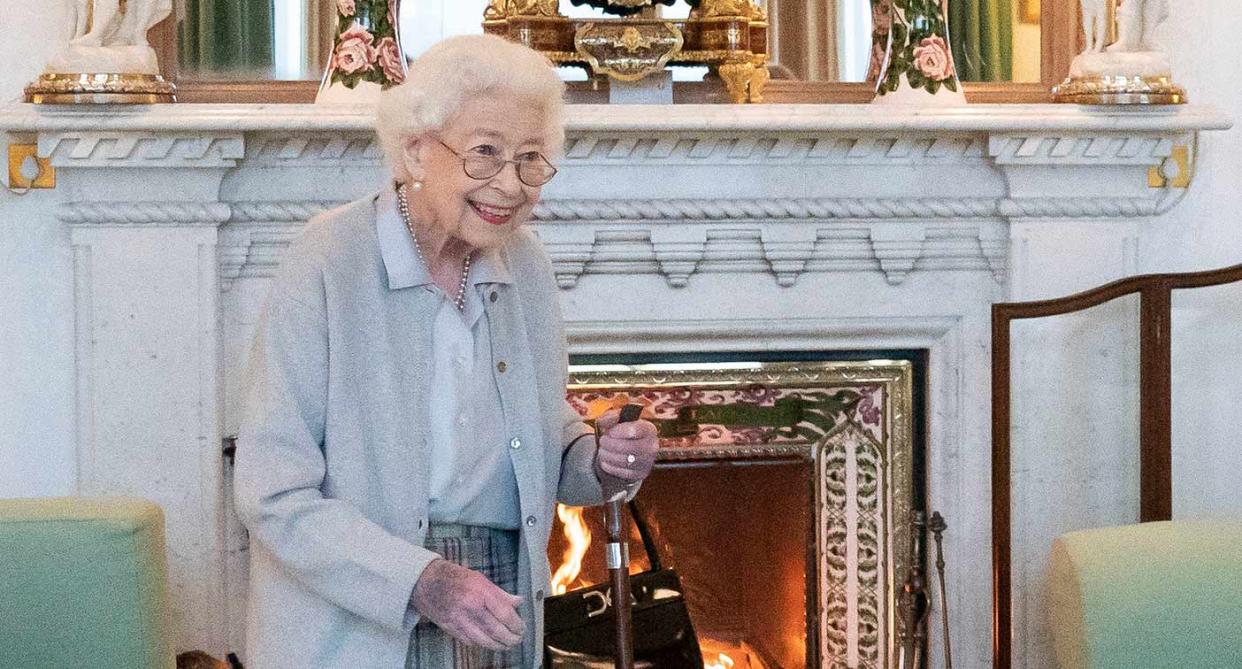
729 36
107 58
1134 69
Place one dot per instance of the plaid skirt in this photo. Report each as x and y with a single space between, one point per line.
491 552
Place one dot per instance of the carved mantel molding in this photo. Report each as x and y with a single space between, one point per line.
782 189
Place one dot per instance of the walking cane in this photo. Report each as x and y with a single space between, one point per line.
619 559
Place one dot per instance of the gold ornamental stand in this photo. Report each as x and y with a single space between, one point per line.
63 88
1120 90
729 36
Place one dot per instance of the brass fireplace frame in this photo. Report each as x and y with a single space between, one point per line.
888 444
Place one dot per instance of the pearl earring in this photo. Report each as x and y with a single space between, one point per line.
416 185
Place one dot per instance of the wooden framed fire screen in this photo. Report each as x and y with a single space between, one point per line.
1155 488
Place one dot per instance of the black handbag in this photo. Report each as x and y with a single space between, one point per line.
579 626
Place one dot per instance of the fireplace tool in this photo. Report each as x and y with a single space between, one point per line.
618 551
913 599
915 604
937 527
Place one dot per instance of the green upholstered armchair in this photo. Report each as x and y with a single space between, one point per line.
83 584
1148 596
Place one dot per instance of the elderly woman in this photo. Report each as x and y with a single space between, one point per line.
406 432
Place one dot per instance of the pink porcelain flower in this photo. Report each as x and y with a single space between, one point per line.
932 58
390 59
345 7
354 52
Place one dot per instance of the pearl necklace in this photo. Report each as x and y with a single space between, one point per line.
404 208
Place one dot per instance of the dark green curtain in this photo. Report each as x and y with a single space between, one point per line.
981 32
226 37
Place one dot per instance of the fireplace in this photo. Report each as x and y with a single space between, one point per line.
697 228
779 498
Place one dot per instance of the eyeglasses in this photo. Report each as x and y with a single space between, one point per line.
532 168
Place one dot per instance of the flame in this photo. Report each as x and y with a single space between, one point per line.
578 539
719 654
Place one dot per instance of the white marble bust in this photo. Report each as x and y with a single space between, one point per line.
110 36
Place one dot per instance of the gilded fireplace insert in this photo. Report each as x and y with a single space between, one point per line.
851 424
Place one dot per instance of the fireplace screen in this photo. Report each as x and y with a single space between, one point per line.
780 497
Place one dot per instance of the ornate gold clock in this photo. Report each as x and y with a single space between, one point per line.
729 36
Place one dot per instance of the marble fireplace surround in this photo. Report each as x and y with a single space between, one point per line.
671 229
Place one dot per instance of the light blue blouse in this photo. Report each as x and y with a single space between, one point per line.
472 479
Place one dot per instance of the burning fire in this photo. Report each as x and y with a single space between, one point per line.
577 534
727 655
578 539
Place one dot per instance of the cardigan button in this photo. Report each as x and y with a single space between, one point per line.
501 367
530 521
539 596
515 443
493 297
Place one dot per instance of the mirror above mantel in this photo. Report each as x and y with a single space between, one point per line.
1009 50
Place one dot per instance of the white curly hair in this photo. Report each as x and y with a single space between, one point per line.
455 70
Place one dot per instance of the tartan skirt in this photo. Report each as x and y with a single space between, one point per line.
491 552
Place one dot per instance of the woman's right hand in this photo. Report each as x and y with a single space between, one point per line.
467 606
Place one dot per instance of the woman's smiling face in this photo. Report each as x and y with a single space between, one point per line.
480 212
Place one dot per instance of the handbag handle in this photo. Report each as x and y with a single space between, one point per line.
649 545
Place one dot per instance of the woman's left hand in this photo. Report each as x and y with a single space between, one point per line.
627 451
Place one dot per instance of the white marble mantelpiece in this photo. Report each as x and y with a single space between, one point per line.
639 118
671 229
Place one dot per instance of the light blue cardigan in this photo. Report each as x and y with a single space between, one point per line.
332 474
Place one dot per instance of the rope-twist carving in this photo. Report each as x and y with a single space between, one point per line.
671 209
279 211
144 212
1084 207
723 209
830 208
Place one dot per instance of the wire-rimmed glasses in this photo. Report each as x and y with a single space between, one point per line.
533 169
